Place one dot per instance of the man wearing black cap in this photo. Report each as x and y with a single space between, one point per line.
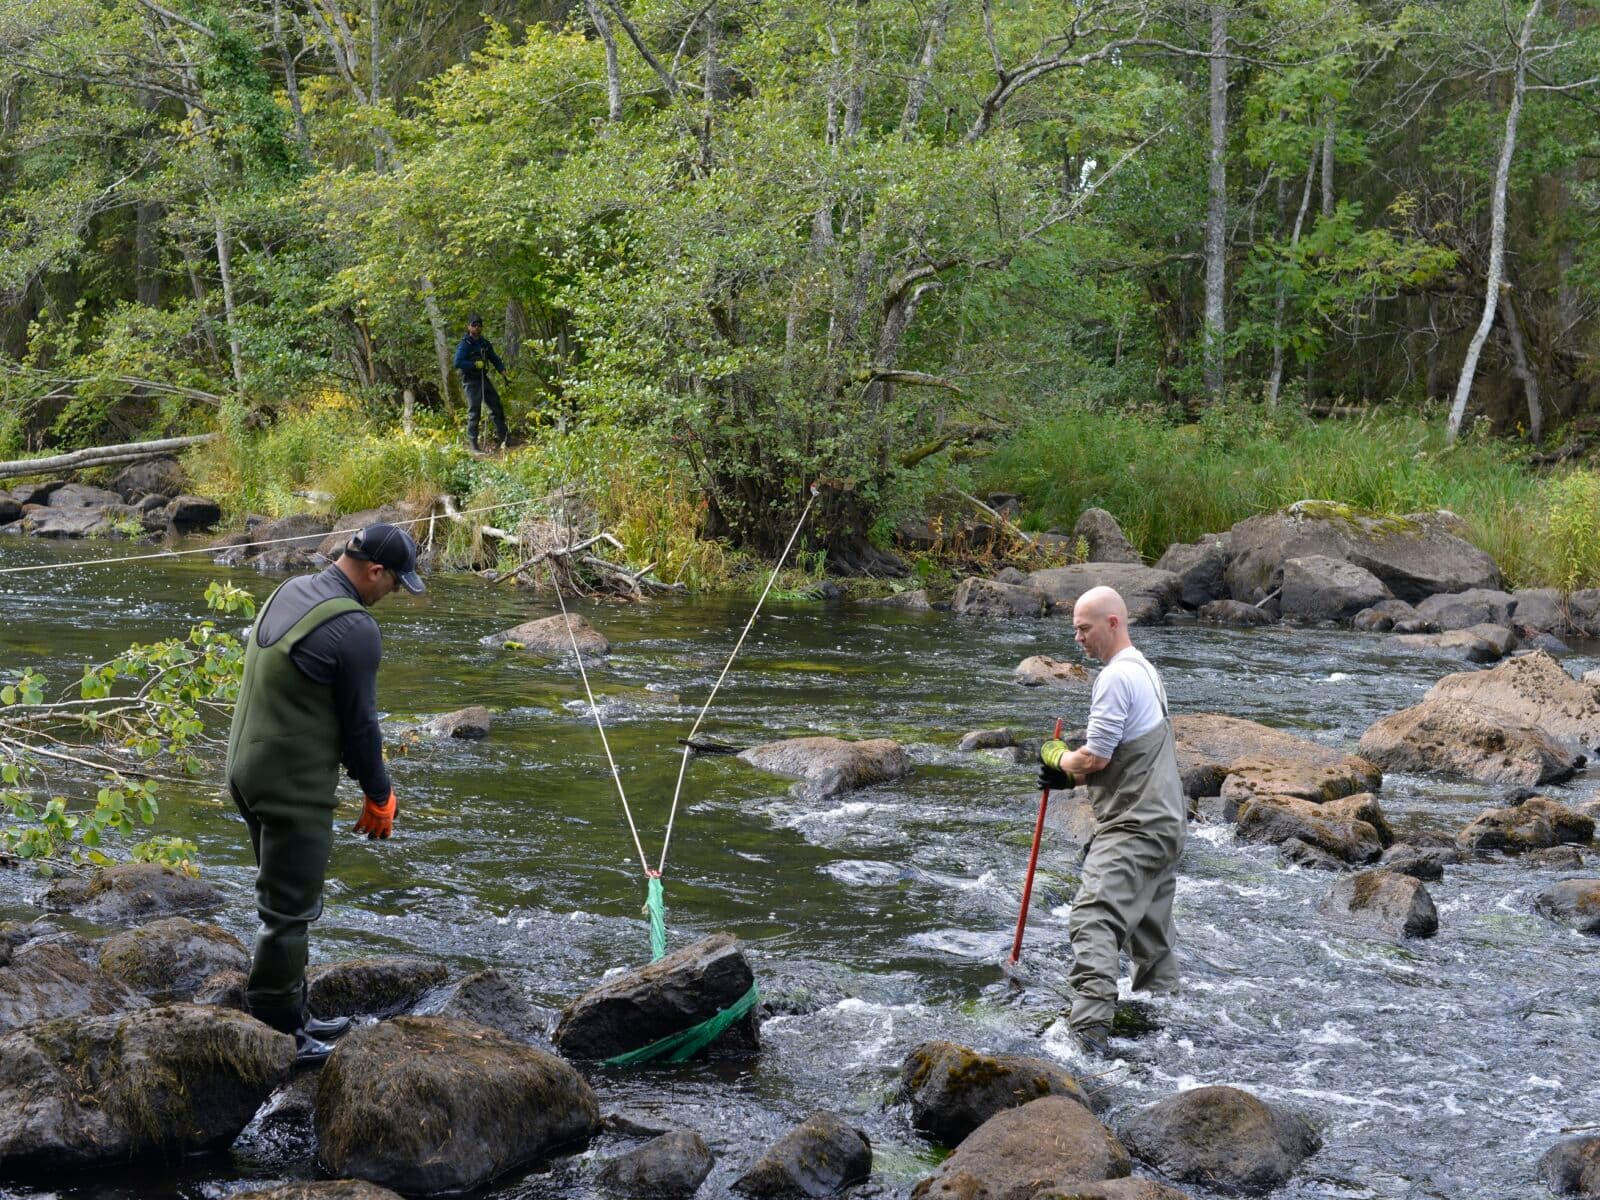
307 703
474 357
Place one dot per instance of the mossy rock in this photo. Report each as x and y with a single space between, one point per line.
376 987
953 1089
822 1156
171 958
323 1189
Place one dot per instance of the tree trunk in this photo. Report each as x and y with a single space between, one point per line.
613 68
1275 379
917 90
408 410
441 339
1217 208
1520 367
1497 227
225 268
147 253
101 455
291 79
1327 162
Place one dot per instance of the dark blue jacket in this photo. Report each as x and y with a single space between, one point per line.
469 352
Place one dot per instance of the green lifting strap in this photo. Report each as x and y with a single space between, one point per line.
688 1042
655 908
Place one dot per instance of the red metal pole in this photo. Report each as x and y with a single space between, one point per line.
1033 861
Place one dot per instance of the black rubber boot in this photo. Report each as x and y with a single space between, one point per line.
310 1051
1094 1040
326 1030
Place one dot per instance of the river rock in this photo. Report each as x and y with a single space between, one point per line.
10 510
1383 616
192 514
1385 903
1297 853
225 988
295 539
1266 761
402 513
829 765
985 739
169 959
669 1167
81 495
471 724
1476 643
1107 543
1457 738
1319 588
1553 858
1201 568
154 476
320 1189
91 1091
977 597
131 893
1363 806
1544 610
66 522
953 1089
1420 862
1049 1145
427 1105
1223 1138
1128 1188
377 987
1535 824
636 1008
1277 819
1040 670
821 1156
1572 1167
1236 612
915 600
45 978
489 998
549 636
1417 555
35 493
1532 688
1475 606
1575 901
1148 593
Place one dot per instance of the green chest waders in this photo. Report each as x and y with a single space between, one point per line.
283 769
1129 873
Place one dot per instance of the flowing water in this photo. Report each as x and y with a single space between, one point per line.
1437 1068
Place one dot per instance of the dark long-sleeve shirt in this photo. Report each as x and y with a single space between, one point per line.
469 352
342 653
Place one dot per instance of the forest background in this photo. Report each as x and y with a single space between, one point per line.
1182 260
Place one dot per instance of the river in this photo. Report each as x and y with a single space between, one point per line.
1438 1068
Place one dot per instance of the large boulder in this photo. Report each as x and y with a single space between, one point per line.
1046 1146
1575 901
638 1008
1536 824
131 893
1531 688
829 765
977 597
1099 530
952 1089
94 1091
669 1167
1363 806
1475 643
1384 903
1275 820
402 513
1456 738
169 959
550 636
377 987
1148 593
1236 612
10 510
68 522
1475 606
35 493
287 544
1223 1138
153 477
822 1156
1319 588
1201 568
48 978
1572 1167
1545 610
490 998
427 1105
81 495
192 514
1040 670
1261 760
1384 616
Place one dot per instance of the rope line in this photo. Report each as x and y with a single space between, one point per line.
304 537
598 724
683 763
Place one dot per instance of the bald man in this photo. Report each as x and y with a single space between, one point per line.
1130 766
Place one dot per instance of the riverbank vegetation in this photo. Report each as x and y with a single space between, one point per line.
731 248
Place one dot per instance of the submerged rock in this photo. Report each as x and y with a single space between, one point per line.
45 979
1129 1188
637 1008
953 1089
1419 862
669 1167
93 1091
1040 670
1537 823
985 739
427 1105
1385 903
549 636
821 1156
915 600
1554 858
1223 1138
169 959
1574 901
829 765
977 597
1572 1167
132 893
470 724
1476 643
377 987
1049 1145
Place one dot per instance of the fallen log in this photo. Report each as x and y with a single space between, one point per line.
100 456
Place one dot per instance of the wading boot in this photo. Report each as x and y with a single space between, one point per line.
316 1027
1093 1040
310 1051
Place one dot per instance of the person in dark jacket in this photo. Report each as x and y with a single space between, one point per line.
474 356
307 703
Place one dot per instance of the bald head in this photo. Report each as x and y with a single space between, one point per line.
1100 623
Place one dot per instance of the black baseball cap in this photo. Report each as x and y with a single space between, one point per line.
474 319
392 547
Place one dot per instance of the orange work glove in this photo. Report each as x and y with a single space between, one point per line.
377 819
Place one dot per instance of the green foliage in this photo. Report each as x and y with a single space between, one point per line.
150 703
1572 530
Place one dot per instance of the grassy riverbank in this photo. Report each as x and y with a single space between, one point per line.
1164 482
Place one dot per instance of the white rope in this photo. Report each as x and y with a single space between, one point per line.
598 724
687 750
304 537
